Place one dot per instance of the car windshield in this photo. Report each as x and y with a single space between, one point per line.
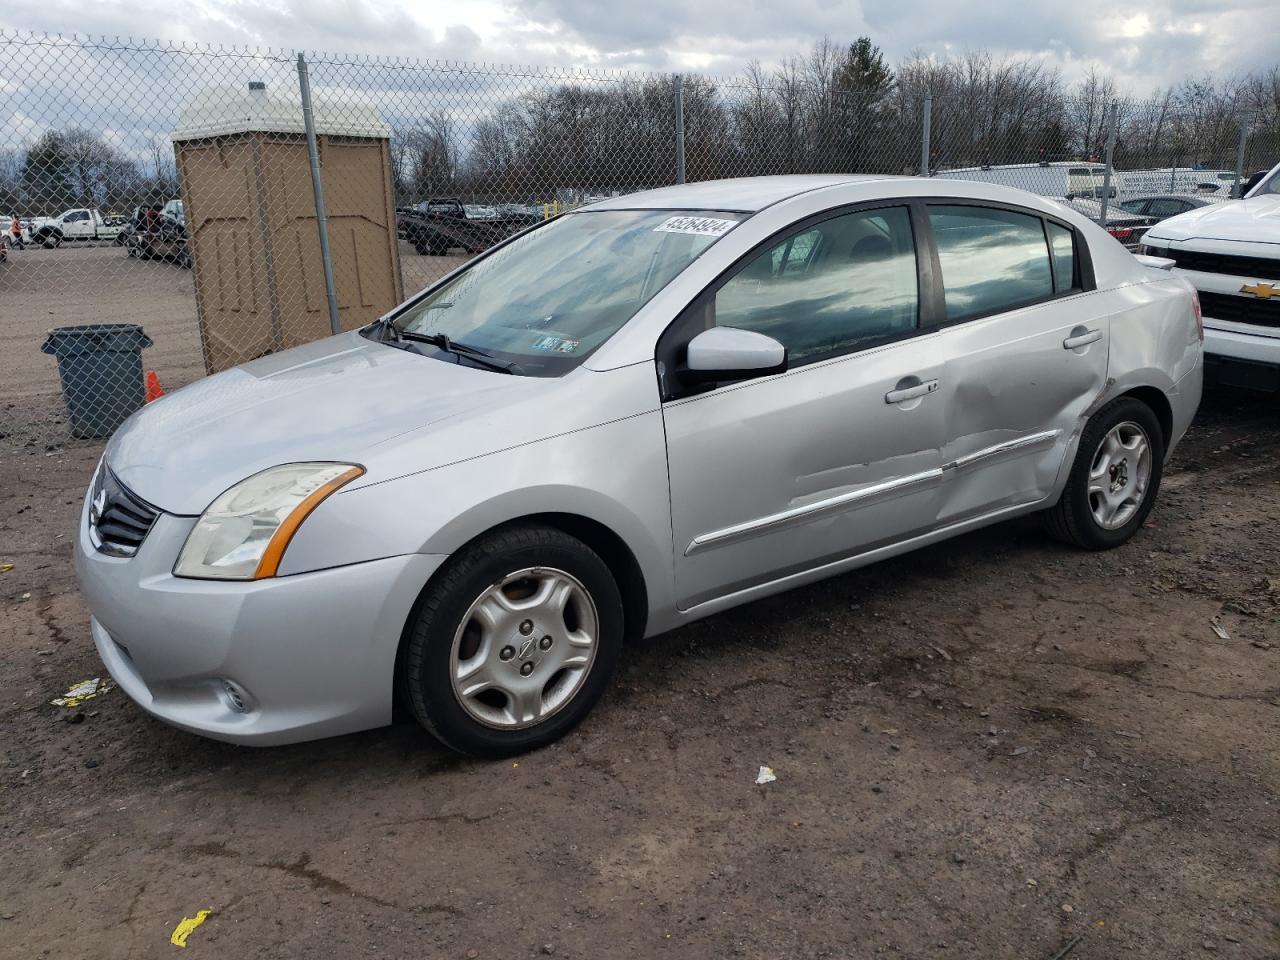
549 298
1271 185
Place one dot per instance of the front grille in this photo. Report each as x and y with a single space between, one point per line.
1225 306
119 519
1261 267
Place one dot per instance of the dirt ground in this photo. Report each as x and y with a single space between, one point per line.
989 748
76 284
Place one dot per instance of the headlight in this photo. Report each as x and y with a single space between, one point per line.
244 533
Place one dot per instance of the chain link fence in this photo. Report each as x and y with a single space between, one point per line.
180 188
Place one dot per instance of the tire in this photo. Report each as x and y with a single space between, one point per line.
1124 482
522 563
50 240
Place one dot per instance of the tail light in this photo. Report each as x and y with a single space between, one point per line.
1120 233
1195 307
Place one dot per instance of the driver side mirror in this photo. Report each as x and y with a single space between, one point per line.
729 353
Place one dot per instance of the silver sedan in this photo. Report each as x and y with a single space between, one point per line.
630 417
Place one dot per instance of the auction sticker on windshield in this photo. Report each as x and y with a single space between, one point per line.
699 226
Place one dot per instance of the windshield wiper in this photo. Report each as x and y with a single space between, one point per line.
393 331
443 342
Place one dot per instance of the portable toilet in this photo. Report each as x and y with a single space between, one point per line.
251 220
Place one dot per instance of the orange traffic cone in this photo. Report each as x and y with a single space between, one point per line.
154 390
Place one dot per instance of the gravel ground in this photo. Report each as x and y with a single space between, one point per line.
75 284
989 748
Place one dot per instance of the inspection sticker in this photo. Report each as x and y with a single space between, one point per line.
556 344
698 226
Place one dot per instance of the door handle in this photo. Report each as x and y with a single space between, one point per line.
1082 339
902 394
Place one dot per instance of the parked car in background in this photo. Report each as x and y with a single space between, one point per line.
1126 227
625 419
1231 253
441 224
1162 206
78 223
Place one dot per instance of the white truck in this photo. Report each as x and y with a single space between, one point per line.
1231 254
1049 179
78 223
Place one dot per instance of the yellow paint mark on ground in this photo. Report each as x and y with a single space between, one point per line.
185 928
82 691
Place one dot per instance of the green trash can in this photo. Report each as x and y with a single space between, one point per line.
100 366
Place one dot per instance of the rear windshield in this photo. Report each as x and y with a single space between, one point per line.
549 298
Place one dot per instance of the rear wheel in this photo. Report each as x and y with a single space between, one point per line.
1114 480
514 643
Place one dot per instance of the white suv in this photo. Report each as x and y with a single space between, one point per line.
1231 253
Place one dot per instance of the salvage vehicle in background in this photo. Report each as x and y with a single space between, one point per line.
78 223
166 239
1126 227
1162 206
159 232
622 420
1230 252
441 224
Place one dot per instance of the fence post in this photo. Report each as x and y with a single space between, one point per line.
679 128
926 125
1106 176
1244 137
322 220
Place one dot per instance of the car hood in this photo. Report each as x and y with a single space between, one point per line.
1255 220
344 398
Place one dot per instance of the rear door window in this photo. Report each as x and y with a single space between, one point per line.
992 260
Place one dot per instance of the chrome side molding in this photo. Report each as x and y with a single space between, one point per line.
1043 439
879 491
751 528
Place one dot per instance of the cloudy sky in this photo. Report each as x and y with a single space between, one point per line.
1143 45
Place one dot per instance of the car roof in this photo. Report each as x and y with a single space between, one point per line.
744 194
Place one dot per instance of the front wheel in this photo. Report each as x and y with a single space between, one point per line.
514 643
1114 479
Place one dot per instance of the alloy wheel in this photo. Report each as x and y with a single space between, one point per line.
524 648
1119 475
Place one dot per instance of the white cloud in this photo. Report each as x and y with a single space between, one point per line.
1154 44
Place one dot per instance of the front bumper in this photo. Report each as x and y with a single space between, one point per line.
306 656
1240 345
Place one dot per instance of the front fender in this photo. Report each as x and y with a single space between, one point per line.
614 474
